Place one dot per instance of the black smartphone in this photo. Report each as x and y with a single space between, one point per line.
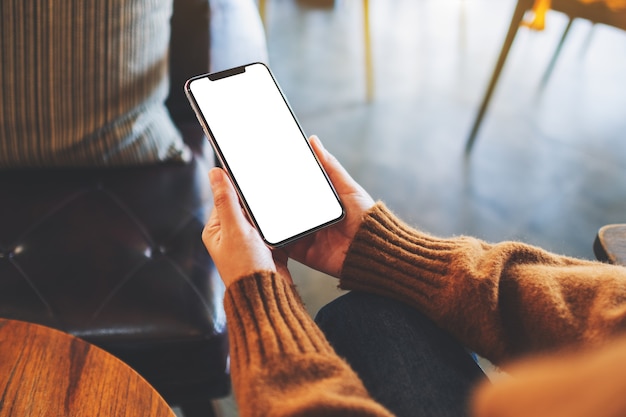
262 147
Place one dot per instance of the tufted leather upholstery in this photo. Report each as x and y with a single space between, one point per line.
115 256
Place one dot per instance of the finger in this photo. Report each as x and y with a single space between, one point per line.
339 176
337 173
225 200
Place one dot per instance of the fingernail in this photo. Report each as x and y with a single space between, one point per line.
215 176
318 142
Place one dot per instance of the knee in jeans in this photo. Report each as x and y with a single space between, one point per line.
348 308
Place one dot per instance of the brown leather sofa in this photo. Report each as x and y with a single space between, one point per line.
115 256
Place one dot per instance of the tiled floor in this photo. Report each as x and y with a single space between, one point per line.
549 167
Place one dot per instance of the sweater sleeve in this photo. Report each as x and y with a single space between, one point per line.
281 363
502 300
566 384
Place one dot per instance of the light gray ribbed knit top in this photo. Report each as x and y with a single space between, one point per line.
83 83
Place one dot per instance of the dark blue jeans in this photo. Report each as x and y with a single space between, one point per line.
406 362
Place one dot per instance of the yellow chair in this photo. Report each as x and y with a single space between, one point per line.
594 11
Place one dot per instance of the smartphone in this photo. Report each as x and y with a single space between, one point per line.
262 147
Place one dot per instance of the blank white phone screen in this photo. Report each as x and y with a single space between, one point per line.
270 160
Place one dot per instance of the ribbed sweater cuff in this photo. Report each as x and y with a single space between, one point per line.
266 317
390 258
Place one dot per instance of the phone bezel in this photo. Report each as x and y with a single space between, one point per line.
224 163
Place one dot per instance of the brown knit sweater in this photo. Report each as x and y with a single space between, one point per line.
504 301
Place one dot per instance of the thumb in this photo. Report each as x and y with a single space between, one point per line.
341 179
225 200
333 168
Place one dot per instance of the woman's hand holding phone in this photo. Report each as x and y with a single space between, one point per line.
326 249
234 244
238 250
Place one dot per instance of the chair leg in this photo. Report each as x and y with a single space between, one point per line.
587 42
546 75
262 12
367 44
518 15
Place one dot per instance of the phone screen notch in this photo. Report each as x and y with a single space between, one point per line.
227 73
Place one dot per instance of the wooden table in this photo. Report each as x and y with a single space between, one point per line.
610 244
45 372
